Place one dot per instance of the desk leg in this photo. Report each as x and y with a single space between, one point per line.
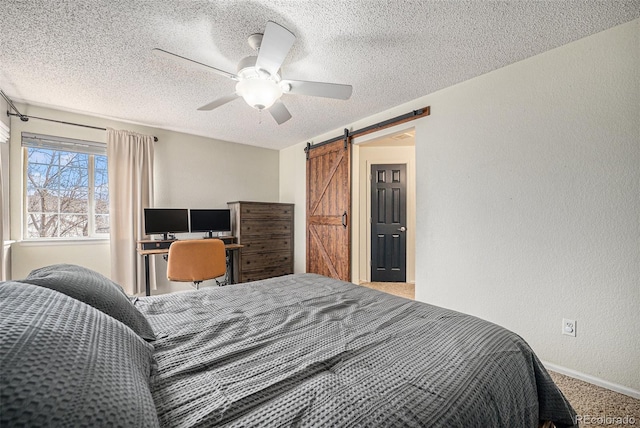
147 285
235 267
232 266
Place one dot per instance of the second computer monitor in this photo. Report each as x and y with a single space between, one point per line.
210 220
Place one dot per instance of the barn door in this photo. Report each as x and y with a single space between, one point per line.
329 209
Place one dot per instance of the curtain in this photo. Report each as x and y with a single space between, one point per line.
130 167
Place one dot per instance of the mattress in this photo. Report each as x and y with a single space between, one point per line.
309 351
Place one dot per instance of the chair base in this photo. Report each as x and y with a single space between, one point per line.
196 284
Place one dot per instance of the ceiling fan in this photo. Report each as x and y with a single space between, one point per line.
258 77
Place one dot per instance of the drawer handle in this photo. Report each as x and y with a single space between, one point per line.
344 219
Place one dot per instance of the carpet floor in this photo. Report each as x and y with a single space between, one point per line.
596 407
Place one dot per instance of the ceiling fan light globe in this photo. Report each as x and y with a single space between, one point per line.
259 93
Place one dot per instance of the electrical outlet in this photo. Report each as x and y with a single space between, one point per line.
569 327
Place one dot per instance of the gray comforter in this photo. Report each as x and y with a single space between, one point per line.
309 351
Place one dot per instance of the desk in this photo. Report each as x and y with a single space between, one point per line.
232 266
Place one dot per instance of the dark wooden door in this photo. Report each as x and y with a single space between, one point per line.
388 223
329 209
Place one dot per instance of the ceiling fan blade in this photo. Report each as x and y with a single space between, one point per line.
319 89
275 46
220 101
279 112
165 54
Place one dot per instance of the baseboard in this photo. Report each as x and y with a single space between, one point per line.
594 380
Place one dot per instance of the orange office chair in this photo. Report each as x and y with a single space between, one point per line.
196 260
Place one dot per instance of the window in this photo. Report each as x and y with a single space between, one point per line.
67 191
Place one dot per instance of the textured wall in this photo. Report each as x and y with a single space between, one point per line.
529 189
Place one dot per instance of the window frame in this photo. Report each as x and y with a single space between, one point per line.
62 144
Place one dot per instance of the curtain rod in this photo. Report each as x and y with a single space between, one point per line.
8 100
25 118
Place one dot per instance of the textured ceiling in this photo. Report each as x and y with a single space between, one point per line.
94 56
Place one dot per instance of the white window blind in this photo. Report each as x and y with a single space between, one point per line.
62 143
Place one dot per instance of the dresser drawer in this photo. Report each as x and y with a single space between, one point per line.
264 260
260 244
264 229
258 274
266 212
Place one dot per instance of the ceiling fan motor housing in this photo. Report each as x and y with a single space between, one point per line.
255 41
247 70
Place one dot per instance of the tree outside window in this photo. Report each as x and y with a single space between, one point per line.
67 194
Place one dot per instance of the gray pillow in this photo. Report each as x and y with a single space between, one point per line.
65 363
94 289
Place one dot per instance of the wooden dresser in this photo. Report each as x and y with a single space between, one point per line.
265 230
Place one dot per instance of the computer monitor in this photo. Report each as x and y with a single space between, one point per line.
210 220
165 221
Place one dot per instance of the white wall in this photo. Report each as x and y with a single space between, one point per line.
190 172
196 172
530 180
26 256
528 201
293 173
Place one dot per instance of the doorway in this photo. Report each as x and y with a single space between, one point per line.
392 146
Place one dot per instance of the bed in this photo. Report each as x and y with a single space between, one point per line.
300 350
